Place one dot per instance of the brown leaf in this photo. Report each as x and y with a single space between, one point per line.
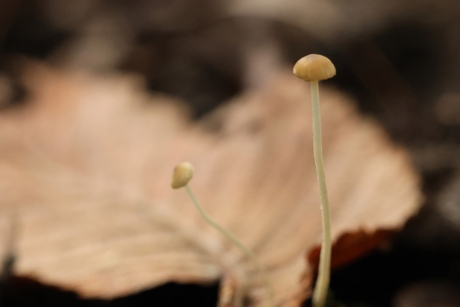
351 245
87 165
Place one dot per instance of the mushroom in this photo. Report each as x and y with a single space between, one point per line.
182 174
314 68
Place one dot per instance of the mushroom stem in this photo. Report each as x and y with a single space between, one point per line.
237 242
322 283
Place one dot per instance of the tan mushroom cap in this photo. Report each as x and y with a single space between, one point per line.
182 174
314 67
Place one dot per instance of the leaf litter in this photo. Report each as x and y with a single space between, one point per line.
87 164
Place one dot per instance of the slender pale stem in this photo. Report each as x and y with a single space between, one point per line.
234 239
322 283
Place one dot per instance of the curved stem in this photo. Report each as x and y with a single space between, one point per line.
322 283
234 239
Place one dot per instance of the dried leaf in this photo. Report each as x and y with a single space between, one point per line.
87 165
350 246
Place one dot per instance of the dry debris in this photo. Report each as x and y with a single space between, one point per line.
86 164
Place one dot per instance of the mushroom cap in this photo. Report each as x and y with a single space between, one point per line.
314 67
182 174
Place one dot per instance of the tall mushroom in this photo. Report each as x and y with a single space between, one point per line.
314 68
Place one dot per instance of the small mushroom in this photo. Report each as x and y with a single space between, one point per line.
314 68
182 174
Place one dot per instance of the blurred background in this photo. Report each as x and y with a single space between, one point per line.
399 60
